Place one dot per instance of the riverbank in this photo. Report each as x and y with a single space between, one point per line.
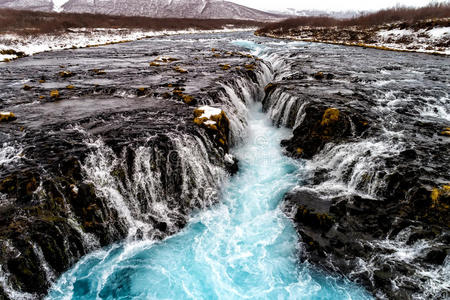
24 33
431 36
13 46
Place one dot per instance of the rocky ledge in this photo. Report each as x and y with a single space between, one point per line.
97 151
375 202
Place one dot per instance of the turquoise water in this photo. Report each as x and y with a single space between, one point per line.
243 248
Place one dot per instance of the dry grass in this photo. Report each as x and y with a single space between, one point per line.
31 22
405 15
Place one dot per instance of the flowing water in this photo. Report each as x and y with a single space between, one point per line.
244 248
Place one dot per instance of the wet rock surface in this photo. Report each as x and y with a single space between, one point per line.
105 148
112 152
376 204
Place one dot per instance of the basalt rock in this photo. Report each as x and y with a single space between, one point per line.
7 116
137 133
378 169
216 122
321 126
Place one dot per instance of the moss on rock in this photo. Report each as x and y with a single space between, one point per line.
66 74
330 117
180 70
215 121
54 94
7 116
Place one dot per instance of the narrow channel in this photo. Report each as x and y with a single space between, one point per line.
243 248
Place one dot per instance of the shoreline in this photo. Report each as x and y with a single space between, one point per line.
82 38
349 44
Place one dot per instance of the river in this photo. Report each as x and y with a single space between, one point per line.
172 224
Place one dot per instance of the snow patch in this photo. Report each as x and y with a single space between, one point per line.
439 33
210 122
394 33
209 112
229 158
58 5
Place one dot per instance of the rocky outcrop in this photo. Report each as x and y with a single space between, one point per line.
322 126
118 157
374 205
216 122
7 116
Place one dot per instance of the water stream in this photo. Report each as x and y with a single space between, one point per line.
239 244
243 248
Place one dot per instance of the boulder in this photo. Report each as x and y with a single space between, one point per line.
321 126
7 116
54 94
66 74
216 123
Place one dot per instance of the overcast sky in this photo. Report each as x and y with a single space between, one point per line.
333 5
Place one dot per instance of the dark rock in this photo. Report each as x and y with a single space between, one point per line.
436 256
232 165
319 75
321 126
48 202
382 277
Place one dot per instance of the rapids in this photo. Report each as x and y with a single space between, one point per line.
148 210
243 248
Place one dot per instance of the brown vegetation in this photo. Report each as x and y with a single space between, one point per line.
404 15
31 22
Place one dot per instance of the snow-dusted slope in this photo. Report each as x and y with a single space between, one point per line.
43 5
206 9
292 12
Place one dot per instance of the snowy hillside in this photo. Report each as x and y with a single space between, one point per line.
42 5
204 9
292 12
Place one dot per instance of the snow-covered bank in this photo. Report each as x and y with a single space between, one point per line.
422 40
82 37
428 40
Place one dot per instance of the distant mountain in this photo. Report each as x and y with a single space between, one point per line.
42 5
202 9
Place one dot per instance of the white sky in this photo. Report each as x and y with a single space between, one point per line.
332 5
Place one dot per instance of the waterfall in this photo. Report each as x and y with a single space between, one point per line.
152 187
243 247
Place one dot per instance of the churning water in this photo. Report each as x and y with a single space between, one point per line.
243 248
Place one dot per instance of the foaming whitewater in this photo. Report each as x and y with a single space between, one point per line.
242 248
